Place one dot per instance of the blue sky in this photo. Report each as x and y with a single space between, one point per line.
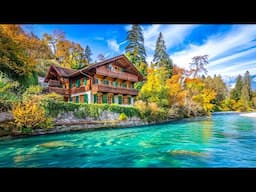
231 48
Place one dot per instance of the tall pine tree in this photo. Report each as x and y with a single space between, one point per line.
161 57
236 92
246 92
247 83
135 48
135 51
88 54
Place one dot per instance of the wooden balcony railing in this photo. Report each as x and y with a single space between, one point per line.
75 90
111 89
118 75
54 83
61 91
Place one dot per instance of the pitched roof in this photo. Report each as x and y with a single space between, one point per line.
61 71
65 72
92 66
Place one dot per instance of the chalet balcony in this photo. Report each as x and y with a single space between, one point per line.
75 90
117 75
58 90
54 83
115 90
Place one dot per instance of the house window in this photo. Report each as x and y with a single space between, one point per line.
110 67
129 100
95 98
124 85
120 100
78 83
113 99
86 98
115 83
70 98
105 82
77 99
122 69
85 81
104 98
96 81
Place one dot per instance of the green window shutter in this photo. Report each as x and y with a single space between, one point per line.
120 100
77 99
105 82
70 98
115 83
105 99
129 100
95 98
86 98
78 83
124 85
70 83
96 81
85 81
113 99
122 70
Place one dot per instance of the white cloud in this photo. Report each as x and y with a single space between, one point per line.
112 44
127 27
224 60
254 79
222 49
173 34
236 68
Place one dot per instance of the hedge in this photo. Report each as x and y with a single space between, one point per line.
82 110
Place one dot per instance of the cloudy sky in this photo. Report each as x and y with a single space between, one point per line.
231 48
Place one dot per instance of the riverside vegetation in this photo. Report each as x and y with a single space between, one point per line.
169 92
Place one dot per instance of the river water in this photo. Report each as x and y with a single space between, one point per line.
222 140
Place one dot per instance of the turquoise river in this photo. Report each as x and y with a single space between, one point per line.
223 140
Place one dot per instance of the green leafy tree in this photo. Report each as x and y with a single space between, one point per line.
217 84
155 88
161 58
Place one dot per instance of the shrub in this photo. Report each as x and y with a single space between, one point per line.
53 97
123 117
151 111
31 91
30 114
8 92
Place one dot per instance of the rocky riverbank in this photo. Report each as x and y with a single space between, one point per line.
67 122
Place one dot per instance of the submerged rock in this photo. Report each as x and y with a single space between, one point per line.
54 144
186 152
20 158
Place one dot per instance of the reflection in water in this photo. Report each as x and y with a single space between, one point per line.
201 133
207 130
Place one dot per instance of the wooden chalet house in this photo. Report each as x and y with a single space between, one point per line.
109 81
